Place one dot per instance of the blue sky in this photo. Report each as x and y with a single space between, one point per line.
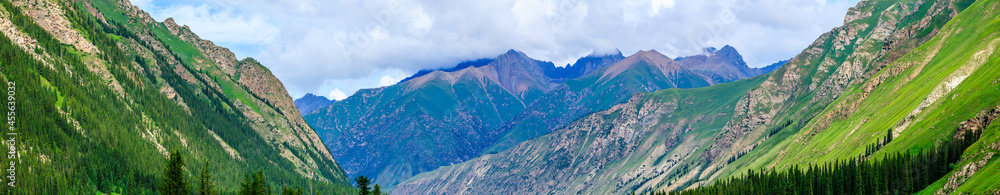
335 47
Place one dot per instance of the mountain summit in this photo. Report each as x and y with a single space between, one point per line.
310 102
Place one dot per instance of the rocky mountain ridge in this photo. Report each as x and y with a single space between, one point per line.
447 116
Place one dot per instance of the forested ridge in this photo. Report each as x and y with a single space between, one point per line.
78 135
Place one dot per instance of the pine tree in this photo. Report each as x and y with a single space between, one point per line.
255 185
363 185
206 185
174 182
377 190
289 191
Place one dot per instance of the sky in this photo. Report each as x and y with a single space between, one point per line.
333 48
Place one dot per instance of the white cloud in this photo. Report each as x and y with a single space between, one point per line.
336 94
387 80
243 32
321 45
658 4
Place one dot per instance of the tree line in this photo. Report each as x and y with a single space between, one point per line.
176 183
899 173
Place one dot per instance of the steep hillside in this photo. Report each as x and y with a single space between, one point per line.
944 88
103 92
308 103
875 34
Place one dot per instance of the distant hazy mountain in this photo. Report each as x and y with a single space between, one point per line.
446 116
310 102
723 65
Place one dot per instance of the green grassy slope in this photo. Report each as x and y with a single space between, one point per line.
949 69
922 98
832 69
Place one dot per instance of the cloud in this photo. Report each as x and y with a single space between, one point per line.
244 33
336 94
659 4
387 80
320 45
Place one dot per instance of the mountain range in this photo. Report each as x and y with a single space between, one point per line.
447 116
899 77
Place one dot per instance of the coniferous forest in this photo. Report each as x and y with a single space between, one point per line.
900 173
72 124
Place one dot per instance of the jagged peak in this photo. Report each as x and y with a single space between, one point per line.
313 96
727 49
513 54
170 21
651 54
709 50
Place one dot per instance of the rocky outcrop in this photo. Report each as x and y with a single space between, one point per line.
49 16
221 56
975 162
20 39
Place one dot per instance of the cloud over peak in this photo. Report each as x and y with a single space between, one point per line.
320 46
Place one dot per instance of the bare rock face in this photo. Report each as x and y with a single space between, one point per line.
221 56
22 40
